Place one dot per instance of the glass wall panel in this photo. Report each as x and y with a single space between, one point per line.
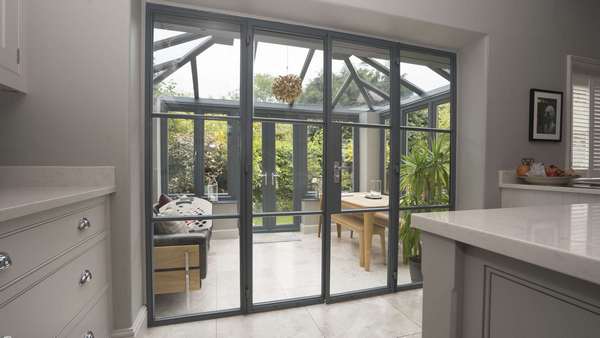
360 83
286 264
287 166
358 250
195 176
191 277
195 59
288 76
425 154
361 113
196 158
365 158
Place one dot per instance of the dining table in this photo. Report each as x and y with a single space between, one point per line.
370 219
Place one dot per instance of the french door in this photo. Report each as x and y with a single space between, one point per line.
276 176
288 196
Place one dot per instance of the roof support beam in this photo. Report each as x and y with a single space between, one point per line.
385 70
376 64
175 40
194 65
307 61
309 57
441 72
341 91
359 83
411 86
170 67
376 90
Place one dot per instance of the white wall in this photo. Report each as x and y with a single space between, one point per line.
82 108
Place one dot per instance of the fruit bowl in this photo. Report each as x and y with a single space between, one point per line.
549 180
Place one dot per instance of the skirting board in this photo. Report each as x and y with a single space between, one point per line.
138 327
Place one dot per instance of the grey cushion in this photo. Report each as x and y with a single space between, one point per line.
170 227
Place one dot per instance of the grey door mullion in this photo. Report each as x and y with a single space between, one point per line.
394 171
327 181
247 108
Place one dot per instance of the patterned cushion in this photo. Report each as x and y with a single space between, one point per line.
185 206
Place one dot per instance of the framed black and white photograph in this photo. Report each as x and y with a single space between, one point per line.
545 115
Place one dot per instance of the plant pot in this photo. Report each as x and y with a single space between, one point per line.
414 266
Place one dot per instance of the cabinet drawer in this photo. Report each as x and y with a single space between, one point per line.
97 321
35 245
47 307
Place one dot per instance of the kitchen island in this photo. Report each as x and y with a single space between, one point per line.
515 272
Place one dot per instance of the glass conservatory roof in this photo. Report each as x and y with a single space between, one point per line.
360 74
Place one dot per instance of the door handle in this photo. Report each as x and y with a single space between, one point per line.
274 179
337 172
264 176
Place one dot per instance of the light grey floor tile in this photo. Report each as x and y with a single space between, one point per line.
408 302
371 317
283 323
416 335
204 329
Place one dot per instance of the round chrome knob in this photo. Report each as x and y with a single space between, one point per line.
84 223
5 261
86 276
89 334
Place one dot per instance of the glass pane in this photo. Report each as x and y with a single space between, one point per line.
409 247
418 118
288 76
286 264
314 161
361 83
424 78
197 166
195 59
365 157
216 155
443 116
206 285
180 156
425 169
357 260
287 167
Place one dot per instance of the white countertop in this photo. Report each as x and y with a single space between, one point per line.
17 202
509 180
563 238
25 190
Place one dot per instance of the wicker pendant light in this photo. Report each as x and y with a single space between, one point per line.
287 88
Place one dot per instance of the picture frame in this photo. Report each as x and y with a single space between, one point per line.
545 115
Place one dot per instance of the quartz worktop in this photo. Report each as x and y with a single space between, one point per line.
563 238
26 190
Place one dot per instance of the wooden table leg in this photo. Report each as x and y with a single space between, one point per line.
361 248
368 238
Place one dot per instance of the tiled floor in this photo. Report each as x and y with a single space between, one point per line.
286 265
393 315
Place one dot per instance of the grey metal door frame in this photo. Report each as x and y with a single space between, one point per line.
247 28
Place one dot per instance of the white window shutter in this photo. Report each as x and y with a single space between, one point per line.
594 108
580 125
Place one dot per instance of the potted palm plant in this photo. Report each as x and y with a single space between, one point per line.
424 178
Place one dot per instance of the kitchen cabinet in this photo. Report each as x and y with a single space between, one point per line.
11 46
